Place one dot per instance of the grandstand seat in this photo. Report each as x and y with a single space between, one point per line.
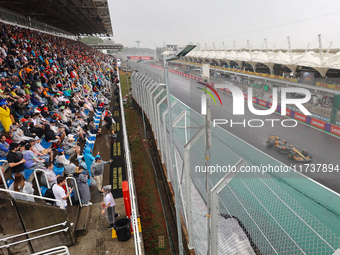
45 144
28 173
9 182
43 190
58 170
2 160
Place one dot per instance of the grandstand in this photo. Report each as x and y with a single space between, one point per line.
321 63
55 95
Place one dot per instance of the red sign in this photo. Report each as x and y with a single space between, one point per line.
139 57
146 58
245 96
254 99
335 130
288 112
300 116
133 57
318 123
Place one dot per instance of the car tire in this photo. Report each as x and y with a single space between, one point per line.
290 155
269 144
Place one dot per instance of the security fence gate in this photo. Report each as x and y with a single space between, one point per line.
282 213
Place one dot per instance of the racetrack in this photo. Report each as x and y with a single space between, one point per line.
323 147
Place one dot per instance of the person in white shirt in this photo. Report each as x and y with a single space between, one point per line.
109 205
59 192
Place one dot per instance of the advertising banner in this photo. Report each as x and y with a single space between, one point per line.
335 130
300 116
317 123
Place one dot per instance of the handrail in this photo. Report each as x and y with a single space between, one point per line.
36 237
29 195
137 239
74 180
2 175
54 250
37 181
33 231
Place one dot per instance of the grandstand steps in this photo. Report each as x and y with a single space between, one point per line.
83 221
20 216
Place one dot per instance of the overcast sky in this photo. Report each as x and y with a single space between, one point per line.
159 22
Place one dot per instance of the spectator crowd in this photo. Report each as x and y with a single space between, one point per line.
50 91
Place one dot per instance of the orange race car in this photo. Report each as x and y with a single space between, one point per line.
284 147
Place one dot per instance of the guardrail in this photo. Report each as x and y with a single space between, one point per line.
33 231
133 197
29 195
61 250
2 175
37 181
77 190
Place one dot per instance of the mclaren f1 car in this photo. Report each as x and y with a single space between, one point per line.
284 147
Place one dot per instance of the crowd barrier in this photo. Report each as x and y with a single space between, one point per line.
333 129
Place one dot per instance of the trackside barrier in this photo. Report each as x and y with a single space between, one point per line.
267 213
131 183
335 130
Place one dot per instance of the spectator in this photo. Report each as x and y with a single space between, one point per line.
50 174
9 136
20 185
83 187
61 159
4 147
88 158
59 192
50 135
97 170
32 161
71 148
109 123
109 205
5 117
15 161
40 151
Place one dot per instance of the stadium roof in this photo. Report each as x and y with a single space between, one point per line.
320 62
73 16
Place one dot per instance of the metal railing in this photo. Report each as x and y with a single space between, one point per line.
61 250
37 180
2 175
133 197
34 196
76 188
34 231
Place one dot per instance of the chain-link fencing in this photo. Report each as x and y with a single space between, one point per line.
256 212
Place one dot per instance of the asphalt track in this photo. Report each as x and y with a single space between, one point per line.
324 147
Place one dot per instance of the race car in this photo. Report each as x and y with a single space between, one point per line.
284 147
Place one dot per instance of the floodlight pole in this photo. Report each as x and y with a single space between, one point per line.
166 59
172 157
207 125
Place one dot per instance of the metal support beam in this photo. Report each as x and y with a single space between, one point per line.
215 204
